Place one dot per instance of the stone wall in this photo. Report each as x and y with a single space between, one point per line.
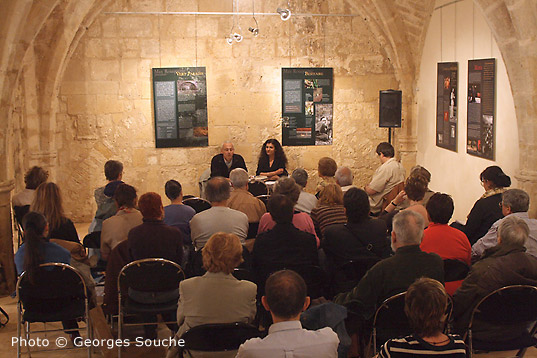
105 105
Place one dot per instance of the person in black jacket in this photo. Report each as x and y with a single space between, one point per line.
486 211
222 164
272 160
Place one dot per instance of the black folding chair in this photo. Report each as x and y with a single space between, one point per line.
455 270
243 274
347 275
56 293
510 309
148 287
258 188
264 198
93 241
19 212
197 204
220 337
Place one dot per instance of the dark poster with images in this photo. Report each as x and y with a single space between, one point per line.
307 106
180 107
446 105
481 107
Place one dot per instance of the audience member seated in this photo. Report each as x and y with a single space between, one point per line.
426 302
32 179
442 239
326 168
515 202
272 160
48 201
219 217
242 200
415 188
285 298
284 244
361 237
106 207
395 274
418 170
177 214
306 201
222 164
118 257
344 178
505 264
386 177
302 221
217 296
116 228
486 211
37 250
329 209
153 238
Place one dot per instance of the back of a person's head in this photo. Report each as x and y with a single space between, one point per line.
280 208
419 170
222 253
285 293
516 199
495 175
415 187
386 149
513 231
173 189
288 187
113 169
440 208
356 203
218 189
408 227
48 201
425 306
34 224
344 176
300 176
125 196
331 195
327 167
150 205
35 177
238 177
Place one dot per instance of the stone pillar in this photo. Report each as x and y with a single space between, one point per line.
7 266
527 180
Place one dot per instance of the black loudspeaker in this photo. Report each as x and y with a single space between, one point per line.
390 109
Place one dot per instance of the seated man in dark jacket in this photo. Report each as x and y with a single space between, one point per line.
504 264
361 237
222 164
284 245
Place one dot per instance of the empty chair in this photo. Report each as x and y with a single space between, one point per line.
510 309
56 293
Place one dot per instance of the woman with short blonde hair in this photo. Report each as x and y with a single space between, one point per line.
222 253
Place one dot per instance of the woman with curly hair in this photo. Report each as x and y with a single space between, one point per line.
48 201
272 160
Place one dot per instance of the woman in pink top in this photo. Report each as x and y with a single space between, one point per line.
302 221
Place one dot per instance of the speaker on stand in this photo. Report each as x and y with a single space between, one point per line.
390 102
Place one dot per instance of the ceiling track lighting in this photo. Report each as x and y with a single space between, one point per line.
285 12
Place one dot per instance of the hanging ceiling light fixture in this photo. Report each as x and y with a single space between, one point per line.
285 12
234 35
254 30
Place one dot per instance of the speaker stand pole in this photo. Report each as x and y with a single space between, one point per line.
390 135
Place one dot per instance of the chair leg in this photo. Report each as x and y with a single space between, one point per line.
470 347
19 329
374 341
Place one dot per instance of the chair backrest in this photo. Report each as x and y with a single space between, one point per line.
150 275
347 275
54 286
197 204
507 305
252 230
455 270
218 337
243 274
386 199
264 198
390 320
258 188
92 240
314 276
20 211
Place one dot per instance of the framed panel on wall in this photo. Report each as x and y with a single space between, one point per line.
307 106
481 107
446 105
180 107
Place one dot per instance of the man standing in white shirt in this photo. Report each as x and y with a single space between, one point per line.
285 298
386 177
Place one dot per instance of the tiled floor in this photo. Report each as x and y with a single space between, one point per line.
8 334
